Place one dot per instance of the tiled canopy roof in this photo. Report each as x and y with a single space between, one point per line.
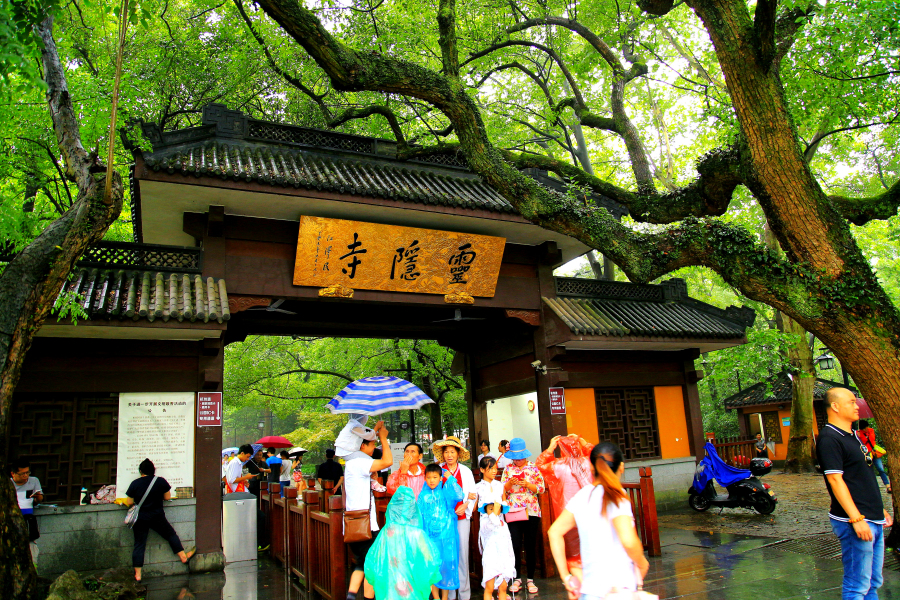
775 389
232 146
606 308
151 295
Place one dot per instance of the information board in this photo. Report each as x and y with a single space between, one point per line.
372 256
158 426
557 401
209 409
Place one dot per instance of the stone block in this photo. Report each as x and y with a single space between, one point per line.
66 522
52 543
208 562
109 519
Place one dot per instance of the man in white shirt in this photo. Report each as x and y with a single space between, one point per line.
235 480
356 444
502 461
28 490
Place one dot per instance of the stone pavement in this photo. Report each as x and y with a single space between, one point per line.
695 565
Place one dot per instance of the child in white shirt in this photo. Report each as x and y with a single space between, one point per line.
497 559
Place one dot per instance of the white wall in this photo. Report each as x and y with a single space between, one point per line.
509 418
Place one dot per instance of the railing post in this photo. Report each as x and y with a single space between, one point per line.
337 549
290 497
648 499
548 567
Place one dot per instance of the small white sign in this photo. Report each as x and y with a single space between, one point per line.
397 454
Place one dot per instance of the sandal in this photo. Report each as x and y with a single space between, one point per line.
532 589
516 586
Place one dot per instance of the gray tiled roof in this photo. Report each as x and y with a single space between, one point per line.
232 146
775 389
603 308
151 295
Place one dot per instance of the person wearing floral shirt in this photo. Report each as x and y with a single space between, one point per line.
522 482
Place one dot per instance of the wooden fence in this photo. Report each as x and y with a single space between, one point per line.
306 533
735 451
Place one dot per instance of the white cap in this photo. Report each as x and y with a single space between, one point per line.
351 438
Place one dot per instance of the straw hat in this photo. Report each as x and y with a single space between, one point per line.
450 440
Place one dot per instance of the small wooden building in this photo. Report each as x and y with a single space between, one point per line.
239 213
765 408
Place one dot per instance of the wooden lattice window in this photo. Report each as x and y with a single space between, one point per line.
627 417
71 441
821 416
772 426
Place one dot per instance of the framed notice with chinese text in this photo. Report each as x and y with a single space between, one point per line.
369 256
158 426
557 401
209 409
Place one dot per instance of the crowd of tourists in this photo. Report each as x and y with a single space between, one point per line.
423 551
424 548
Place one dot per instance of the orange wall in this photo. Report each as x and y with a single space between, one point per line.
785 413
673 432
581 413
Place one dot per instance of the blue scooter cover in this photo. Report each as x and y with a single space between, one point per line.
713 467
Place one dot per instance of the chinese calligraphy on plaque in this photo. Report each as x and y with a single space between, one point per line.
371 256
158 426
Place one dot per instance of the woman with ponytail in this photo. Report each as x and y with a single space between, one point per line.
611 551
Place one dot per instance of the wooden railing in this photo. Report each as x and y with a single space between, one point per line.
643 504
306 533
735 451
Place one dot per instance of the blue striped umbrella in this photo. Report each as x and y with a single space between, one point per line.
380 394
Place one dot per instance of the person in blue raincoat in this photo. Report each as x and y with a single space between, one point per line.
437 502
403 563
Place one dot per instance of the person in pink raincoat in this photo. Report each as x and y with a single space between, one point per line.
564 477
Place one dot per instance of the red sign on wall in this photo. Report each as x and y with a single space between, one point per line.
557 401
209 409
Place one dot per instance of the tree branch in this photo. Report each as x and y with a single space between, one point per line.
576 90
860 211
364 113
317 98
447 37
589 36
79 164
764 26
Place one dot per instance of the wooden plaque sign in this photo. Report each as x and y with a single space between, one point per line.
369 256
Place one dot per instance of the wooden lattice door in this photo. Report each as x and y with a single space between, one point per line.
71 441
627 417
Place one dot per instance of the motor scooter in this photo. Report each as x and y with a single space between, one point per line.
745 490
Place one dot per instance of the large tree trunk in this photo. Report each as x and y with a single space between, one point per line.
28 288
799 451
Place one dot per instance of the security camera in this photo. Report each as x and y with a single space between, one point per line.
539 368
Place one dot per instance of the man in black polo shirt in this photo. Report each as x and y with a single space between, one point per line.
857 515
330 471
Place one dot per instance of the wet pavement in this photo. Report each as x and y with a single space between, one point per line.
802 511
694 565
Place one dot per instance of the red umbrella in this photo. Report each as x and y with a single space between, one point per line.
274 441
864 411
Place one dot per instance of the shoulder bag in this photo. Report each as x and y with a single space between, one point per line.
131 516
357 526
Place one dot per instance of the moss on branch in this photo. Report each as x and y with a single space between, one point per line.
860 211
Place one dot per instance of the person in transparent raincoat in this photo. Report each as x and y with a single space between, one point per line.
403 563
437 502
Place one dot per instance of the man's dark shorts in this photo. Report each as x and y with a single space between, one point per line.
359 550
